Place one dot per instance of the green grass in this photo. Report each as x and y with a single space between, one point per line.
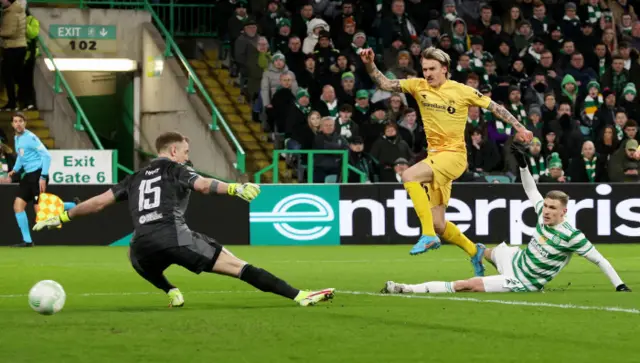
112 315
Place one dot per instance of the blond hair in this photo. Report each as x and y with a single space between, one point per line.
558 195
439 56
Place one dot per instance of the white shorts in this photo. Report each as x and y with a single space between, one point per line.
502 256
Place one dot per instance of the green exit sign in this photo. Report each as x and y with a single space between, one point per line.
71 31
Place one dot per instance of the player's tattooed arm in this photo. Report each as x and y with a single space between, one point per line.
505 115
384 83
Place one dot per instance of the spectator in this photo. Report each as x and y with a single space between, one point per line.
327 105
549 110
298 113
602 59
620 120
609 39
532 54
282 101
535 121
338 69
362 111
607 142
445 43
396 108
504 57
606 113
348 30
387 149
314 27
626 25
390 55
325 54
347 90
585 43
273 21
294 58
571 136
412 132
463 69
540 21
556 41
236 23
271 79
523 36
281 41
359 42
630 131
373 128
300 21
588 167
629 101
635 35
399 166
537 89
547 65
13 32
449 15
537 162
403 66
7 161
564 56
593 101
304 133
570 91
324 8
621 7
483 27
344 124
482 154
516 108
518 73
26 91
495 36
310 77
327 139
591 12
623 167
570 22
361 161
460 39
552 145
630 58
416 53
347 12
430 35
398 22
512 18
581 74
556 173
474 119
245 45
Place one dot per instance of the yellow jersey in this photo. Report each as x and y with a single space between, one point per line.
444 111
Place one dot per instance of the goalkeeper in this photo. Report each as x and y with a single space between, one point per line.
157 197
549 251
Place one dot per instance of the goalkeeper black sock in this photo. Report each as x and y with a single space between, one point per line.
265 281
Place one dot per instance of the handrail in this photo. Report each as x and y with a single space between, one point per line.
310 154
171 50
82 123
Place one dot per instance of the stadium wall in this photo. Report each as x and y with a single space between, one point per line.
334 214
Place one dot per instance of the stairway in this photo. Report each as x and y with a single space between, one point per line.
34 124
237 113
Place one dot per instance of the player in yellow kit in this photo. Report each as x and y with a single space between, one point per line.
443 106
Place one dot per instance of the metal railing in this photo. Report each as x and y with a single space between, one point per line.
171 49
310 155
81 123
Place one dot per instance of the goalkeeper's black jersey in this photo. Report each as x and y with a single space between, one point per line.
158 196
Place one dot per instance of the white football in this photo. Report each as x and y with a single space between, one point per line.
47 297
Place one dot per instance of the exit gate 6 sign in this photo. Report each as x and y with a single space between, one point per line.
67 38
82 167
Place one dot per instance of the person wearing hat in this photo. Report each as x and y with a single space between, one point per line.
477 55
630 101
348 10
244 46
314 29
623 165
346 90
523 36
459 37
571 22
362 109
400 165
449 15
362 161
387 149
341 66
271 79
556 173
270 20
535 121
403 64
280 41
430 35
298 112
344 124
236 23
532 54
326 55
593 101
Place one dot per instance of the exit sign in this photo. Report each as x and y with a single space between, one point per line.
71 31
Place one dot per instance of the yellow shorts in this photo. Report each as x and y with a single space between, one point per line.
447 166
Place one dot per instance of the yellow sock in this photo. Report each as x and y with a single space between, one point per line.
422 206
453 235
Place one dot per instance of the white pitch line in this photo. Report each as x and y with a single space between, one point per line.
427 297
501 302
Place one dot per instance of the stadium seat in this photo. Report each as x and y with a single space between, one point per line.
502 179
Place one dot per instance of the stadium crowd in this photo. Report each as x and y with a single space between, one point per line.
569 71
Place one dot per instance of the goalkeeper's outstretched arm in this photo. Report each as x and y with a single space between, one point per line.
92 205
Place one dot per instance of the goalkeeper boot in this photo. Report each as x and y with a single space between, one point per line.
391 287
425 243
476 260
176 300
306 298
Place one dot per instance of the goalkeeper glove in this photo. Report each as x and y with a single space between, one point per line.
246 191
52 222
520 151
623 287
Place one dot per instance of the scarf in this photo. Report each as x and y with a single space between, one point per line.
333 107
619 132
460 69
590 167
574 20
345 129
519 112
304 109
545 23
570 96
477 63
594 13
241 18
591 105
538 168
602 66
535 55
362 110
459 43
487 116
451 17
626 30
619 81
473 123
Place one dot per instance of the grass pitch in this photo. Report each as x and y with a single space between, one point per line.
113 315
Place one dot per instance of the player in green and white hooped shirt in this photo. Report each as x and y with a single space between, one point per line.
549 251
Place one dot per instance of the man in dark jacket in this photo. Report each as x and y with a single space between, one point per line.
588 167
327 139
623 167
397 22
361 161
387 149
298 112
482 154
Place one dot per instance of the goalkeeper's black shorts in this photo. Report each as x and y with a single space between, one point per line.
199 255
